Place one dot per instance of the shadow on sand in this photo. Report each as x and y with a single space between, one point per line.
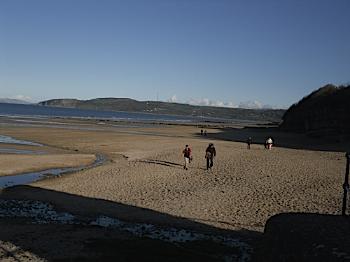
281 138
287 237
82 241
293 237
160 162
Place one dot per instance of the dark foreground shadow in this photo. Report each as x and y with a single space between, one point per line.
281 138
295 237
83 242
288 237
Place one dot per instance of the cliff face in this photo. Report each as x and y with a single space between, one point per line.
324 111
155 107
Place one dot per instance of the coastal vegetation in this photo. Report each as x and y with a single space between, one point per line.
326 111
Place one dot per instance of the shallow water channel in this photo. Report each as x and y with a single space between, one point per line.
26 178
21 151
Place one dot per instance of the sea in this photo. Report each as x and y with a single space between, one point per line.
20 110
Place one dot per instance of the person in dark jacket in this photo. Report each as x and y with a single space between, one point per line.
249 142
210 153
187 152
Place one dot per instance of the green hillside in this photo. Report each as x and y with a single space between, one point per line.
155 107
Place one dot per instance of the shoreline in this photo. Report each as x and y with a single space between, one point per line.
214 122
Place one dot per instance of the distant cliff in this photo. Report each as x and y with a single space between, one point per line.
130 105
324 111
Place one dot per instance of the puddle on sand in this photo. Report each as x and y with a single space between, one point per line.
22 179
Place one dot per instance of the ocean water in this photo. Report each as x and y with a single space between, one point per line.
43 111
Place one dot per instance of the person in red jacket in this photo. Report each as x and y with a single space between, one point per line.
187 152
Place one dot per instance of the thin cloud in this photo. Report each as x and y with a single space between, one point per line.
254 105
251 104
172 99
23 98
208 102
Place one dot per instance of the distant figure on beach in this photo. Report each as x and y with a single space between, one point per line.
187 156
268 143
210 153
201 132
205 132
249 142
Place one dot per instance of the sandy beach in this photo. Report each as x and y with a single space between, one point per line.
143 180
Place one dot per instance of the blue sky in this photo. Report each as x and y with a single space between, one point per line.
234 53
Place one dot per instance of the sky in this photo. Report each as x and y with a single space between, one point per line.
235 53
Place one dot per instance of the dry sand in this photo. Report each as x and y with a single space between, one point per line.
244 188
145 171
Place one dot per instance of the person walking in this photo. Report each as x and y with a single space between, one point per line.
269 143
187 156
249 142
210 153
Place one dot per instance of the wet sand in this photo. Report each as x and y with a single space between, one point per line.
17 164
244 188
